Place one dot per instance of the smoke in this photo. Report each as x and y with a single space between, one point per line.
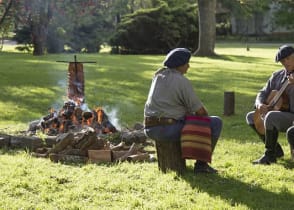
84 107
112 116
62 83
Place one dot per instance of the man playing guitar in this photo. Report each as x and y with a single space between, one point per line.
275 107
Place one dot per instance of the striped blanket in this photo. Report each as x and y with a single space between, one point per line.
196 138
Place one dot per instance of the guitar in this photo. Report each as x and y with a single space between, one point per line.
275 102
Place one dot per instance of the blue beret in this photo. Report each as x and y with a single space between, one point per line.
177 57
284 51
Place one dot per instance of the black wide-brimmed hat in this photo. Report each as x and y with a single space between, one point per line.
177 57
284 51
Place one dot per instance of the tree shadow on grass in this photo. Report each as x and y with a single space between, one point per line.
236 192
238 58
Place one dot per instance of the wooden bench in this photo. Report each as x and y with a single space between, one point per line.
169 156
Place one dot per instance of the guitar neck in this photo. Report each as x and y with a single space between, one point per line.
279 94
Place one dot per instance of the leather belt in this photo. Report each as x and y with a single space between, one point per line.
155 121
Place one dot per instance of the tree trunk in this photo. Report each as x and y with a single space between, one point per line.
40 22
229 103
39 37
207 33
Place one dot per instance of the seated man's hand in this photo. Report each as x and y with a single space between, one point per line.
291 79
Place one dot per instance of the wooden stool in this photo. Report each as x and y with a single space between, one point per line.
169 156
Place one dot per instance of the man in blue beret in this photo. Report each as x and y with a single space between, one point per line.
171 97
274 105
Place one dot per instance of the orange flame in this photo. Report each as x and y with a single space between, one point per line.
89 121
61 128
100 114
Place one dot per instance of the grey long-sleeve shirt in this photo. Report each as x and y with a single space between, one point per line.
275 82
171 95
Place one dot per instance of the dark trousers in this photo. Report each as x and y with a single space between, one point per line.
290 136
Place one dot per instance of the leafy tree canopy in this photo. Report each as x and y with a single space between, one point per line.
284 13
157 30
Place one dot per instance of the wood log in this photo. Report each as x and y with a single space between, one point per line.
136 136
70 151
98 156
118 147
43 150
117 154
138 157
122 152
26 142
133 150
229 103
40 155
87 139
98 144
4 141
169 156
67 158
50 141
63 141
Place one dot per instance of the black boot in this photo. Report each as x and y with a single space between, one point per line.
290 137
292 152
203 167
270 148
279 150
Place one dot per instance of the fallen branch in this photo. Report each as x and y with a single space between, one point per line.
118 147
133 150
138 157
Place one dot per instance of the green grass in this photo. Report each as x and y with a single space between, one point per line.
30 85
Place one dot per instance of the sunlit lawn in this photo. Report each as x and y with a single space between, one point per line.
30 85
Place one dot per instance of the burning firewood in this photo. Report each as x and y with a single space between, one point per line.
83 133
74 115
71 118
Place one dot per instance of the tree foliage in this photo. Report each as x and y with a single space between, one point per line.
284 13
8 11
246 8
156 30
79 24
137 26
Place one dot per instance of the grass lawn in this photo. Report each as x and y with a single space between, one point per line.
30 85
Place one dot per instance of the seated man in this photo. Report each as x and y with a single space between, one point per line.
273 118
171 97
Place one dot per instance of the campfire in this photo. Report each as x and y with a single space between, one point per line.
72 118
77 133
74 115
